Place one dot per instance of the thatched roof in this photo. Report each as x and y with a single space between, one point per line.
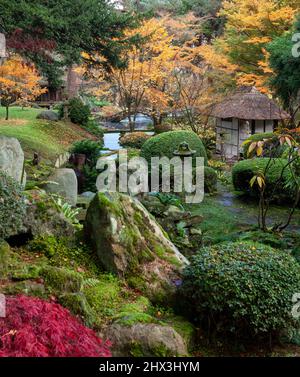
248 103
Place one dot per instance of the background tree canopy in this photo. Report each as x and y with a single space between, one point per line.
286 80
65 27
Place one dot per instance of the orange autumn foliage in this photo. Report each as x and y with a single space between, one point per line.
18 81
250 26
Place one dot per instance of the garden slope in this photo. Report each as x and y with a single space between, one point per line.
49 139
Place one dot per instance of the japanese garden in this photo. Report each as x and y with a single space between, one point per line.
104 250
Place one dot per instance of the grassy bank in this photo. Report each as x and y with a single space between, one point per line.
49 139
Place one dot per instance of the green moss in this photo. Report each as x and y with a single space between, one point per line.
162 254
26 272
183 327
138 311
160 251
162 351
136 282
37 174
136 350
78 305
63 252
4 258
62 279
104 201
104 296
129 319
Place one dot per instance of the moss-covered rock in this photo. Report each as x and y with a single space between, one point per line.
78 305
130 243
27 287
61 279
43 218
146 339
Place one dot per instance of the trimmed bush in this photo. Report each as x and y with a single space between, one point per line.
89 148
12 206
134 139
268 149
166 143
79 113
210 180
243 171
37 328
242 287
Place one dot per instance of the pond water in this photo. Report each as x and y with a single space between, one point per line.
111 141
142 123
111 138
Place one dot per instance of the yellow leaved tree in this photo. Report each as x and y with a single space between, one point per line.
162 76
250 26
18 81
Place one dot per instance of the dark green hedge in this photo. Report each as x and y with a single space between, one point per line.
166 143
241 287
243 171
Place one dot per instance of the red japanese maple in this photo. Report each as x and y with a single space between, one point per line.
37 328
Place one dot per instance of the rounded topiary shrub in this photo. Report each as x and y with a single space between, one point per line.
12 206
166 143
271 147
243 172
134 139
242 287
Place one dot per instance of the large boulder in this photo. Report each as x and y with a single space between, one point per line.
42 218
48 115
146 339
131 244
11 158
64 183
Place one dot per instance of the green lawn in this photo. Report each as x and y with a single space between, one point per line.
49 139
226 215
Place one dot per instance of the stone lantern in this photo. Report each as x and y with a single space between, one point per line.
184 151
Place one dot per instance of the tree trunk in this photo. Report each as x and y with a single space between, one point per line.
7 112
72 83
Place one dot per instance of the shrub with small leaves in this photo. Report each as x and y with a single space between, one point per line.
12 206
37 328
242 287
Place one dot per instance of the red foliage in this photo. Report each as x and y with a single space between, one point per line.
36 328
22 43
